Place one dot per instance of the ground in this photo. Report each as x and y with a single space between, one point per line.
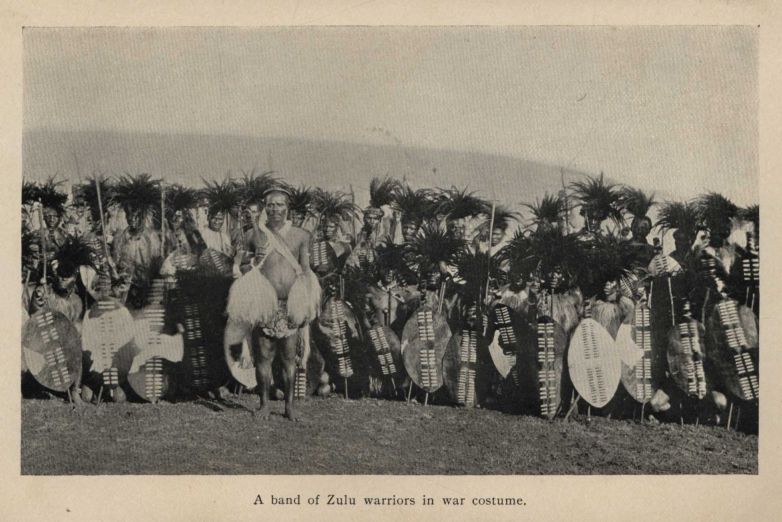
366 436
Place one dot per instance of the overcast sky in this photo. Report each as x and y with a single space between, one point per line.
673 107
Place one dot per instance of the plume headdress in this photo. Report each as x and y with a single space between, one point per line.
180 199
87 194
333 206
715 212
381 192
598 200
432 247
252 187
75 252
457 204
50 196
393 257
221 196
416 206
752 215
637 203
547 211
555 260
678 215
302 199
139 194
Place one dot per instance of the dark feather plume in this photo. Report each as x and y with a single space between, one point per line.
334 205
75 252
141 193
459 204
415 205
548 210
383 191
636 201
221 196
751 214
715 210
677 215
598 197
251 187
544 252
87 193
50 196
301 199
432 246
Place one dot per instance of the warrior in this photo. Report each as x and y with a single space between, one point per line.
411 209
330 253
388 301
599 201
223 199
381 193
302 200
682 218
637 203
138 249
276 300
53 202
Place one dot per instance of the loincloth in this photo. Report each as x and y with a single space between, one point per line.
280 325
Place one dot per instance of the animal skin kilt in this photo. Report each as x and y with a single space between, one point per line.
253 304
686 354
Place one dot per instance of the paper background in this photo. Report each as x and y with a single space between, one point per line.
230 497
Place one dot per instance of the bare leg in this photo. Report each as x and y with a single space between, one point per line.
288 355
263 355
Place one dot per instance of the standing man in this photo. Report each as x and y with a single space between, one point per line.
275 301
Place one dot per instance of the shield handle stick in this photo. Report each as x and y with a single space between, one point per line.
573 407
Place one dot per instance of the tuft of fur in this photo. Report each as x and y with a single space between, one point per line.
252 299
304 298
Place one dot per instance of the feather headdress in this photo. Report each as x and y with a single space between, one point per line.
416 206
382 192
29 192
49 195
715 212
502 218
598 200
137 193
677 215
751 214
393 257
636 201
75 252
546 254
547 211
607 260
459 204
334 206
473 268
180 199
302 199
252 187
221 196
433 246
87 193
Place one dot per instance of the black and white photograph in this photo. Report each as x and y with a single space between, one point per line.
390 250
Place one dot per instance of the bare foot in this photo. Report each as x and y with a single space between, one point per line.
262 413
291 416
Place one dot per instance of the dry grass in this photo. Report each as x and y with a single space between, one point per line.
360 437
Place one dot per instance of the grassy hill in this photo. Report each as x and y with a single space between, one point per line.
187 158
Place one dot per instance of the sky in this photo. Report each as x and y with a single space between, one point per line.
653 107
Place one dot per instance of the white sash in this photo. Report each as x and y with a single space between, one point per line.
275 242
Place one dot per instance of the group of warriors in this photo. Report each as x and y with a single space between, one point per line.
136 288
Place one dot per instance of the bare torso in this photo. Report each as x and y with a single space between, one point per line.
278 270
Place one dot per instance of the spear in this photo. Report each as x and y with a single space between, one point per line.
102 221
488 252
163 219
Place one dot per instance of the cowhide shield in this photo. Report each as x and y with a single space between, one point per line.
732 348
51 349
150 372
635 343
337 331
550 346
217 261
387 350
686 352
594 363
424 340
462 375
505 342
108 338
323 259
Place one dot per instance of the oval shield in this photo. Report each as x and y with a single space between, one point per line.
51 349
594 363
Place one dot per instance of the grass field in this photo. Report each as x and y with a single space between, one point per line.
360 437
